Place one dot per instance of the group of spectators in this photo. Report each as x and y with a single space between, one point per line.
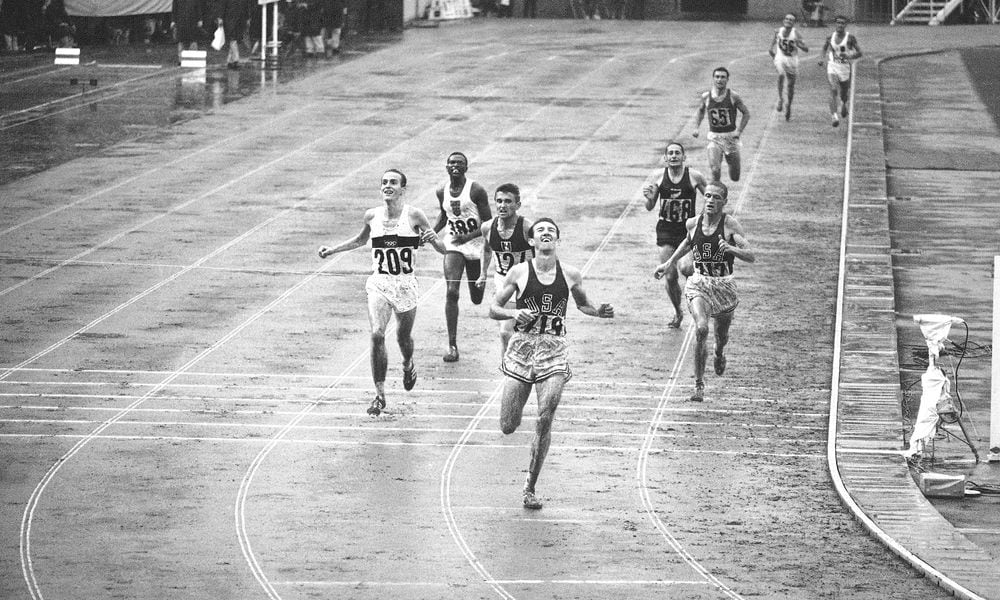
30 24
310 26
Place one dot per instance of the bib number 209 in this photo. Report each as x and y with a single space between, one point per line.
393 261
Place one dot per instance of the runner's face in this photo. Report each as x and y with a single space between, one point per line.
714 200
456 165
789 21
507 206
392 185
545 236
841 26
674 156
721 80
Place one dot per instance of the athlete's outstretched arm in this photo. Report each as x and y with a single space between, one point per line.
355 242
422 226
575 281
487 254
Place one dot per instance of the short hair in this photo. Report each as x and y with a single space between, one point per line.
723 69
531 232
789 16
402 176
462 154
841 18
674 143
721 186
509 188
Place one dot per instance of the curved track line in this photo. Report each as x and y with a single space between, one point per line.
667 395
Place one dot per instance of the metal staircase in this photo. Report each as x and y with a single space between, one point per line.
925 12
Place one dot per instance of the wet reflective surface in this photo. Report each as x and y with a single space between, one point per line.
51 113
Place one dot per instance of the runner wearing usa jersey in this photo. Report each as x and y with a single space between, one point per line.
721 104
396 231
785 46
714 240
507 244
464 205
537 355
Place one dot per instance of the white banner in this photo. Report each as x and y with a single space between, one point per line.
114 8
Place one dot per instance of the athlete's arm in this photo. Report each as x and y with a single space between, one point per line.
853 44
739 246
575 281
800 41
355 242
701 112
513 282
774 43
487 254
698 180
650 189
420 224
744 111
822 54
442 219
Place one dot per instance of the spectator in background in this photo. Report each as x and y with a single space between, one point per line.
189 21
332 14
232 15
57 25
305 20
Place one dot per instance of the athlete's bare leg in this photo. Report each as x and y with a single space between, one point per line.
454 267
791 95
733 160
549 392
673 286
379 313
722 323
515 395
701 316
472 270
714 161
404 335
781 92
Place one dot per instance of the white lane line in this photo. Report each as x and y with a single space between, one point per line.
603 448
604 433
362 584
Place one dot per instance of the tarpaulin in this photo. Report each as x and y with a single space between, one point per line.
114 8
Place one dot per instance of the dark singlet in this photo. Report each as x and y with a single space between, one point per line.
548 302
721 113
510 251
677 202
708 258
